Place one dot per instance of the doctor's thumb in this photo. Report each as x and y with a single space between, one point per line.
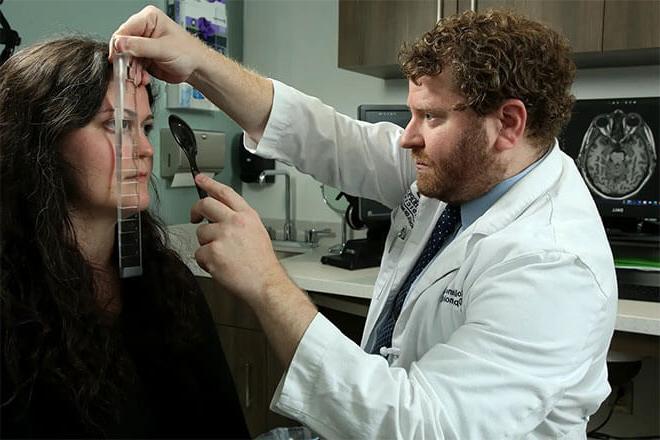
138 47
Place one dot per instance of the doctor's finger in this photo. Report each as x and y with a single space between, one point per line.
141 24
212 256
207 233
140 76
135 71
201 255
141 47
222 193
210 209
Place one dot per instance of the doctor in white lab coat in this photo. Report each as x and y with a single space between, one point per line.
504 332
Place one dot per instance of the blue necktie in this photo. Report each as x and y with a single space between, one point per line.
444 228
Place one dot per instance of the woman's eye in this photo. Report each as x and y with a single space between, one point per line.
147 129
110 124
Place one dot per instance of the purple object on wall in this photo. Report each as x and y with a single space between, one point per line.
205 28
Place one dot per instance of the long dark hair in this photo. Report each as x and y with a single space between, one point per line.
53 329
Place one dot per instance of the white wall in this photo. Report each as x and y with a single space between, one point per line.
295 41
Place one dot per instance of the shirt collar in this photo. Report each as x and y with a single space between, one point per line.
472 210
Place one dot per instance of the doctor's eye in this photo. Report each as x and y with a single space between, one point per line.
434 117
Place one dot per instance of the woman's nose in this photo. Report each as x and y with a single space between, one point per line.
145 149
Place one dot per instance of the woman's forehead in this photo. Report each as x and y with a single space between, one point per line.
108 103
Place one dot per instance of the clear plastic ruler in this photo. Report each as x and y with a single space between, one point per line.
129 227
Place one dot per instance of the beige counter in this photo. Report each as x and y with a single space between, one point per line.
309 274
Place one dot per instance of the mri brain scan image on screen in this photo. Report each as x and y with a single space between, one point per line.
617 156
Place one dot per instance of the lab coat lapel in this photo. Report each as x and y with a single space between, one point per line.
448 261
529 189
428 212
445 263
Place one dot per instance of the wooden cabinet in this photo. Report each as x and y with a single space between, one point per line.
246 355
254 368
578 20
372 31
631 24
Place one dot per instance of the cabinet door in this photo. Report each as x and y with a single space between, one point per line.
450 7
371 32
631 24
226 309
245 351
581 21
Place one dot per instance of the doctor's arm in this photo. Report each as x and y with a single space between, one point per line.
359 158
171 54
499 375
236 250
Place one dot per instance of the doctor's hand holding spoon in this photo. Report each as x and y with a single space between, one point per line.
236 250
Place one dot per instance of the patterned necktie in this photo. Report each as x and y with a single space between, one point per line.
446 225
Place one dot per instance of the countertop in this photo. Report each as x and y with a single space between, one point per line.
308 273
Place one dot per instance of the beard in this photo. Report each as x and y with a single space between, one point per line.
469 171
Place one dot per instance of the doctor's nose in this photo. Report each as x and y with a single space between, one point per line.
411 137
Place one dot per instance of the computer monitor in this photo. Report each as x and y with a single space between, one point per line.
370 211
614 143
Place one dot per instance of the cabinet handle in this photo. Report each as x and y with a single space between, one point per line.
438 11
247 385
473 5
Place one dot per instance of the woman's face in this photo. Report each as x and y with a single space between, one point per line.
90 152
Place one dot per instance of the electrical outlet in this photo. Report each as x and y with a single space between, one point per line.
625 403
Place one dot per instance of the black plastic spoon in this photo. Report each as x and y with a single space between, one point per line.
185 137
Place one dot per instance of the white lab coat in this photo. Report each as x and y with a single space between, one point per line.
503 336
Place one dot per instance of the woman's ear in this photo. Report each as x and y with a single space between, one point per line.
512 119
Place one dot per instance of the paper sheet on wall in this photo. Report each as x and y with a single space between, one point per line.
207 20
186 179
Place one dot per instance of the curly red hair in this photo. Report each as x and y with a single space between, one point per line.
498 55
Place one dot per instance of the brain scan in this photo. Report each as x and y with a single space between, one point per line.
617 156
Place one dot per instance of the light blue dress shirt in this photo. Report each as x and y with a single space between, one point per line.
474 209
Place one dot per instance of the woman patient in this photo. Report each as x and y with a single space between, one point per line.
85 353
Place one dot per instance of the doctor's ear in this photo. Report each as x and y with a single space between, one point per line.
512 119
